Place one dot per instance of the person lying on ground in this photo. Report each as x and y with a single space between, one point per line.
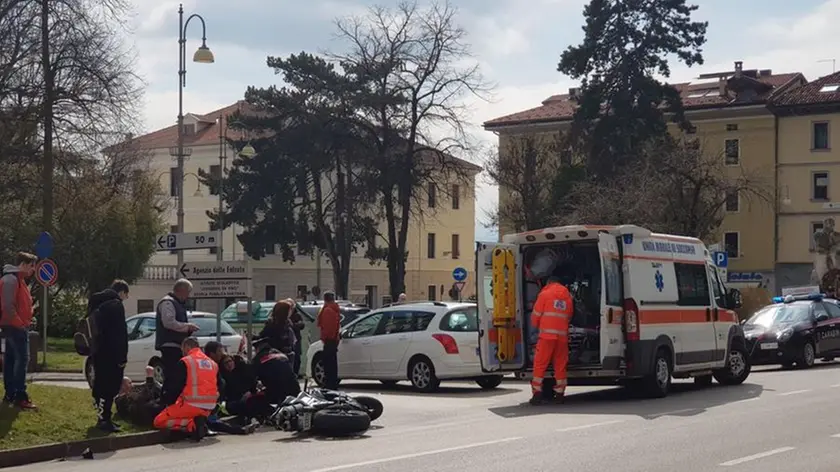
242 396
140 403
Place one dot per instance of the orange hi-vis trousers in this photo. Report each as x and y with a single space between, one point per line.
179 417
554 351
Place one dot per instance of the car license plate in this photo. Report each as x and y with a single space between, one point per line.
769 345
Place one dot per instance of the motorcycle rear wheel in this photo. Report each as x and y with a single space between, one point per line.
340 422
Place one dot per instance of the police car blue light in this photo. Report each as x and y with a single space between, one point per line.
792 298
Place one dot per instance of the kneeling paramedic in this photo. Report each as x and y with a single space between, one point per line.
196 377
550 318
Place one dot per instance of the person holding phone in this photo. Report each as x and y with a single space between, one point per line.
172 327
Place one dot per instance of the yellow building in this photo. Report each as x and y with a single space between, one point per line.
442 241
808 163
736 116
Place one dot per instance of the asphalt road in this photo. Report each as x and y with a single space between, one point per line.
777 421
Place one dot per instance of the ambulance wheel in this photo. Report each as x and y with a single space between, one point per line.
658 384
703 380
340 422
737 367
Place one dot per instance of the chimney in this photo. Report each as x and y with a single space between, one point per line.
722 87
573 93
766 72
739 67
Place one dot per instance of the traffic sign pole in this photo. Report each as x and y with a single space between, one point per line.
46 273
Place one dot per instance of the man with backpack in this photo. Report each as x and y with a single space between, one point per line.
108 348
16 311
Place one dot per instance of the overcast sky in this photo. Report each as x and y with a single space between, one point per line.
518 44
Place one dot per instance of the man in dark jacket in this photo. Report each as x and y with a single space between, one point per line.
110 352
140 404
172 327
274 370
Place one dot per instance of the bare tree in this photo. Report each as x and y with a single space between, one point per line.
414 70
526 168
675 188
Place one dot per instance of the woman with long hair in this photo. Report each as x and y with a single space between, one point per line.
278 330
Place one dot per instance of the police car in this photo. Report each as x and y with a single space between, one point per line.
794 330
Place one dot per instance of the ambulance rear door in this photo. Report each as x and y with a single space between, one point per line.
501 337
612 311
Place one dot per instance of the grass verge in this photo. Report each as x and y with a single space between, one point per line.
64 414
61 356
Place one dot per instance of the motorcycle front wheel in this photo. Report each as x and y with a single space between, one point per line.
340 422
373 406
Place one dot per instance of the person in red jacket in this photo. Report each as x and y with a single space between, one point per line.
329 323
15 318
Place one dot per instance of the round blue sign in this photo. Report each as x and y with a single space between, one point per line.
459 274
46 273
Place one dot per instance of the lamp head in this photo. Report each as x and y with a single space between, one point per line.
204 55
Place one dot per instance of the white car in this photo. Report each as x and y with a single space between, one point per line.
141 343
422 342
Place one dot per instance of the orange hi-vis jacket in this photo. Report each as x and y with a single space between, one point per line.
200 389
552 311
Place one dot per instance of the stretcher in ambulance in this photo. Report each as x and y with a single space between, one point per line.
647 307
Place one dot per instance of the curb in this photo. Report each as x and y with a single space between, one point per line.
49 452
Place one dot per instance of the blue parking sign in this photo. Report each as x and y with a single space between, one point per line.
721 258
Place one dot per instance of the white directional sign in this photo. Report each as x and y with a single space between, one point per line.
229 279
184 241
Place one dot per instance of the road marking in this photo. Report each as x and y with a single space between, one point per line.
417 454
760 455
748 400
835 386
794 392
835 435
587 426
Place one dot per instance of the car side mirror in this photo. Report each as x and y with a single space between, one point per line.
743 321
733 299
344 334
822 317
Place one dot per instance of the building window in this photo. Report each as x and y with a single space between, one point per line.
212 226
732 243
215 176
371 292
270 293
820 136
732 152
271 249
456 246
733 201
189 129
814 226
432 195
302 292
145 306
819 186
430 245
732 127
173 229
432 292
456 197
174 182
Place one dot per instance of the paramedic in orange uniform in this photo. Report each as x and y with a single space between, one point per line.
550 317
197 375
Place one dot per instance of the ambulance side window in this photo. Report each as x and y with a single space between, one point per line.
612 276
716 290
692 284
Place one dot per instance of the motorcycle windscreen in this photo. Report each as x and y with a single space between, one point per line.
501 340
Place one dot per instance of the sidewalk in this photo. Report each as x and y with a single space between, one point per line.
56 377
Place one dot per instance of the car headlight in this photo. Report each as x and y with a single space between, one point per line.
784 334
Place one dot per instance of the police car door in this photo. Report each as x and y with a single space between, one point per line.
501 340
611 299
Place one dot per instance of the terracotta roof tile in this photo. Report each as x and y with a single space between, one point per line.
811 93
205 135
562 107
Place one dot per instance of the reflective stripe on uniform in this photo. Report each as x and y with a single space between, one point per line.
555 315
553 331
198 401
177 424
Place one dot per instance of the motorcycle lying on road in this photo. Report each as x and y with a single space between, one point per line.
326 412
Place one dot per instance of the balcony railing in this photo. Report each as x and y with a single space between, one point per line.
160 272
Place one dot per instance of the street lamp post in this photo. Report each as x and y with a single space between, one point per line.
202 55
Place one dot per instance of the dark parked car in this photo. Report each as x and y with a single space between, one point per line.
794 329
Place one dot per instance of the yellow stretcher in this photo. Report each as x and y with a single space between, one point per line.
504 303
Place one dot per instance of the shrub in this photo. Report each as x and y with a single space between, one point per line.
67 308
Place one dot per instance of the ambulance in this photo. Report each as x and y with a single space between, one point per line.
647 308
